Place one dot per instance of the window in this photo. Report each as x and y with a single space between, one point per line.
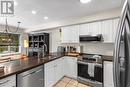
9 43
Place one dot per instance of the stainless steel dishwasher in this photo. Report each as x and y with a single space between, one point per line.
31 78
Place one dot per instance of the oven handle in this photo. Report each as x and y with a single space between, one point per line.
86 63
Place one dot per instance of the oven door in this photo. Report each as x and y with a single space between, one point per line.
83 72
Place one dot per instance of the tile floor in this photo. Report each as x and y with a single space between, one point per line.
68 82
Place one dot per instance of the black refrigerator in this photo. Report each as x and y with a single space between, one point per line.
122 49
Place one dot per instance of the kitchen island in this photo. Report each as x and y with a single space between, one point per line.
24 64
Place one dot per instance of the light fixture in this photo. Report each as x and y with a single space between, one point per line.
7 30
34 12
26 45
15 3
45 17
85 1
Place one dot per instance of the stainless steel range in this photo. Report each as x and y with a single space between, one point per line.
90 70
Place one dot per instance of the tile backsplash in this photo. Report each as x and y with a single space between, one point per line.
98 48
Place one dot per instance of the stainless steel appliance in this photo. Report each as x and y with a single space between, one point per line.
83 70
61 49
88 38
122 50
31 78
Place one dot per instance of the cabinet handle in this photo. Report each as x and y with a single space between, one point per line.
55 66
32 73
39 70
4 82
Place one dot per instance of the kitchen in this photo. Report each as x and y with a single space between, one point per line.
65 47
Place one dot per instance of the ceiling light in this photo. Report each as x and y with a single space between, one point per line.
45 17
15 3
85 1
34 12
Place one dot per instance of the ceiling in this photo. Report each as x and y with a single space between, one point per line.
56 10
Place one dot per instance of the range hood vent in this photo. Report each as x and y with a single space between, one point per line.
90 38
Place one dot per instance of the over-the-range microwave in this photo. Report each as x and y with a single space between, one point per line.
89 38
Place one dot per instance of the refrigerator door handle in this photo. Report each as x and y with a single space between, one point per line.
127 51
116 68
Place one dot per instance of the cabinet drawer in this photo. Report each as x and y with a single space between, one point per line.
8 82
52 63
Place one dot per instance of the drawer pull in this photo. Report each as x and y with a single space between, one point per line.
4 82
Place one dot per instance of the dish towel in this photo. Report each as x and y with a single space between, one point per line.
91 68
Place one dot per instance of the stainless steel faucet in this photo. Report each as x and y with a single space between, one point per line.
44 52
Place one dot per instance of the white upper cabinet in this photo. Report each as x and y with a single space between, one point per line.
84 29
90 28
70 34
115 28
95 28
107 30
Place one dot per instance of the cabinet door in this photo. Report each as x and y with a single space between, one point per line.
49 77
49 74
95 28
53 72
74 34
84 29
65 35
71 67
8 82
58 70
107 30
108 74
70 34
115 28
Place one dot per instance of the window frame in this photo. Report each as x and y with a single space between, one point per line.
9 46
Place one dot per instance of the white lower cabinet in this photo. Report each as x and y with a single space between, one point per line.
49 77
108 74
58 70
8 82
55 70
70 65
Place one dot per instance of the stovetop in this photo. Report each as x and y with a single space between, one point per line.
91 58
